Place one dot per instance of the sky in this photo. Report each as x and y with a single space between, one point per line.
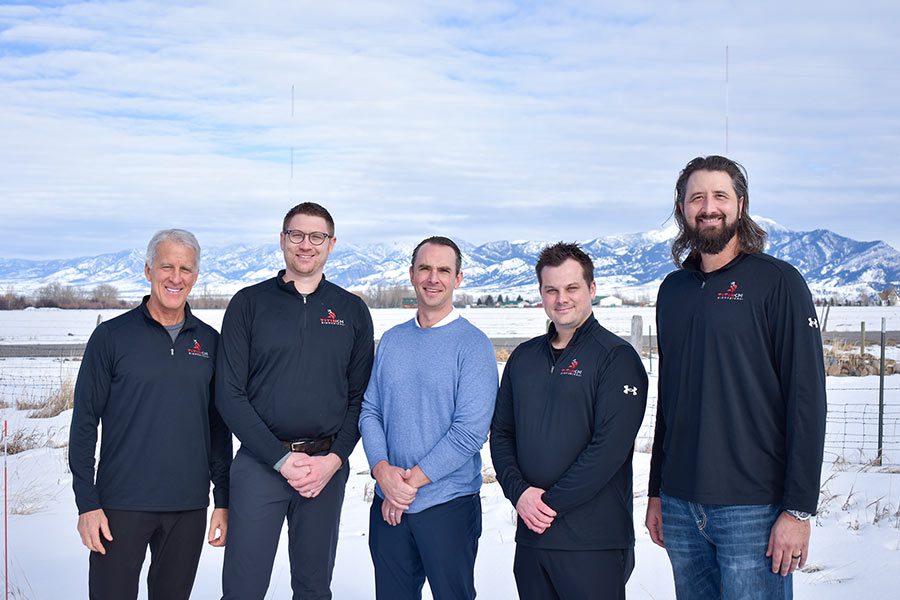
482 120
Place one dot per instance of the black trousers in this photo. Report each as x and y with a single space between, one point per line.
260 500
572 574
438 543
175 540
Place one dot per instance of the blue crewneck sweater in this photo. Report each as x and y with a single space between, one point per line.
429 403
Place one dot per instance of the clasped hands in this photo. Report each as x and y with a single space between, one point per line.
399 487
310 474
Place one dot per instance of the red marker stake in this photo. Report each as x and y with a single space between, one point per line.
5 513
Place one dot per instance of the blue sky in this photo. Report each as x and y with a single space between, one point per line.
480 120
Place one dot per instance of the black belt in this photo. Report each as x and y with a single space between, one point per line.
309 445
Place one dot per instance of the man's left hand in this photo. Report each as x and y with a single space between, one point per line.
321 470
788 544
391 513
218 522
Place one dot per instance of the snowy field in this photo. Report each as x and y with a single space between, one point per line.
855 544
855 548
55 326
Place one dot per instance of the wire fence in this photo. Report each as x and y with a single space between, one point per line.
42 387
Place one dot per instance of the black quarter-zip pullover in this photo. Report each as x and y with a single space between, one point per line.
741 411
294 366
569 429
162 438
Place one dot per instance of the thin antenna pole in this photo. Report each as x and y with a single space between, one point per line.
726 101
292 118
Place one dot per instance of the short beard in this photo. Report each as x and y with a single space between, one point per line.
711 242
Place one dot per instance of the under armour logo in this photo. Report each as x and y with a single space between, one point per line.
630 390
813 322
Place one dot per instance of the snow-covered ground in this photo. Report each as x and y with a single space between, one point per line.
55 326
855 545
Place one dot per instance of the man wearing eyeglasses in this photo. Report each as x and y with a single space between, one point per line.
295 357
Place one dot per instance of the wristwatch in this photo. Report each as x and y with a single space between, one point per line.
799 514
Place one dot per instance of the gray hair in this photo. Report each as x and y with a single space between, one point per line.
179 236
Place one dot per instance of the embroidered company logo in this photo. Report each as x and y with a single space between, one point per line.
197 350
630 390
731 293
572 369
331 319
813 322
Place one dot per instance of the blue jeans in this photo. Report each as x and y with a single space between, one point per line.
719 551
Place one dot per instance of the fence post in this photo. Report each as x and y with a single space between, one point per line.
637 333
862 339
880 457
650 342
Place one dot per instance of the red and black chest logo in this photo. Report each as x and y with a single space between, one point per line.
331 318
197 350
572 370
731 294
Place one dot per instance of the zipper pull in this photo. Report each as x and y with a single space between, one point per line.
172 351
703 285
304 298
552 367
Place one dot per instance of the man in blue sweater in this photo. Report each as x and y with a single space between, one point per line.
423 422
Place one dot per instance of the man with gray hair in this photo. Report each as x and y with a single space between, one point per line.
147 377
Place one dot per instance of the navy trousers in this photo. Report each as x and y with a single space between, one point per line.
260 501
439 543
175 540
572 574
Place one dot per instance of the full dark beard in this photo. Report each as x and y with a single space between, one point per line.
711 241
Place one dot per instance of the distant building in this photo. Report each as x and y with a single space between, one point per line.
409 302
889 297
607 301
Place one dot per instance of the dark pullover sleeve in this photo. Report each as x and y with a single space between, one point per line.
91 394
358 371
503 440
659 430
618 413
797 344
221 453
232 377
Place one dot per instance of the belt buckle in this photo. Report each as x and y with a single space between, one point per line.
299 446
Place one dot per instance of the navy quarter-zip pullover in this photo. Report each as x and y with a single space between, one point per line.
741 411
569 429
162 438
294 366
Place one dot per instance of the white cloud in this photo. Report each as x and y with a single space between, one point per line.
485 120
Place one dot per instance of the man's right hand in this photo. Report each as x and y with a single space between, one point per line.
292 471
536 514
393 485
91 525
654 521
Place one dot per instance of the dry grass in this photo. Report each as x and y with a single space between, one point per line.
28 497
60 400
488 475
22 440
502 354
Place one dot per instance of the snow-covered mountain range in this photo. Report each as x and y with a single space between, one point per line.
629 265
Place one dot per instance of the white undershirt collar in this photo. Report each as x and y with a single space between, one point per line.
451 316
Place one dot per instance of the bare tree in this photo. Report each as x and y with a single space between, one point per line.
105 296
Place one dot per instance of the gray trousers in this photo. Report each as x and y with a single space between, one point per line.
260 501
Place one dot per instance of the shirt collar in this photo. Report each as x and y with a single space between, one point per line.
451 316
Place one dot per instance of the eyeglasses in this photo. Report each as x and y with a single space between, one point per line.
316 238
